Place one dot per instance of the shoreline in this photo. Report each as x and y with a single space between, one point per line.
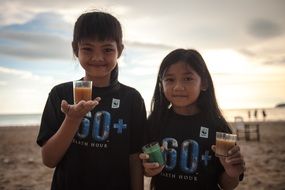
21 165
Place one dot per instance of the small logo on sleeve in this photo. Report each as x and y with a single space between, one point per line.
204 132
115 103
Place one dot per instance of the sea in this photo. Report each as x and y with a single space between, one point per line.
272 114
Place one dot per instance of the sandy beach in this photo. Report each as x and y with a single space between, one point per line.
21 167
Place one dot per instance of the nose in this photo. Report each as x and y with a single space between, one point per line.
97 57
178 86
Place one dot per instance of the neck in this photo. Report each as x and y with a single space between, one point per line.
99 81
189 110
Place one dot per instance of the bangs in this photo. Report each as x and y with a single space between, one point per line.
99 27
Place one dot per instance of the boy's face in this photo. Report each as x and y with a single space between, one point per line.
98 59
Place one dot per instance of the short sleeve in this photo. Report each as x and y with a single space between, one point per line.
138 123
50 120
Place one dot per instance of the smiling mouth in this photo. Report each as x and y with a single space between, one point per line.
179 96
92 65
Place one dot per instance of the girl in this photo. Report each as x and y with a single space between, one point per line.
185 117
94 145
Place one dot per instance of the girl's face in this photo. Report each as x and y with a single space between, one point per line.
182 86
98 59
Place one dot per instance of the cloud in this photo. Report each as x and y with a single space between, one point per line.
46 33
18 73
264 57
39 47
46 36
276 61
138 44
69 9
23 90
263 29
267 52
183 23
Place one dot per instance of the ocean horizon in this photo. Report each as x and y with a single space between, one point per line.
272 114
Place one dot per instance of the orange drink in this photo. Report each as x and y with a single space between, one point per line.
82 90
224 142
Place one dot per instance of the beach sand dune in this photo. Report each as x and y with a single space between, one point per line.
21 167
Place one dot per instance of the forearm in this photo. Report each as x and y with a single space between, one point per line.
54 149
136 172
227 182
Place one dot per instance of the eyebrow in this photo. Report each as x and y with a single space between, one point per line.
171 74
91 44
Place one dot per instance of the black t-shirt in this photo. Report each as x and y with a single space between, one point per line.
98 157
190 161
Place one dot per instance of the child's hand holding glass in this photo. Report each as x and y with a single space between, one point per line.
83 103
233 163
153 161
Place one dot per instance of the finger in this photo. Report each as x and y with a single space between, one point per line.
64 106
97 99
234 150
143 156
80 106
235 160
213 147
151 165
153 171
90 104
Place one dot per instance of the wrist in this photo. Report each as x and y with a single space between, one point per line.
228 182
72 121
231 176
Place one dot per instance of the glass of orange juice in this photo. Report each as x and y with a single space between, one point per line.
82 90
224 142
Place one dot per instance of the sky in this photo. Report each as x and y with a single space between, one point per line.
242 42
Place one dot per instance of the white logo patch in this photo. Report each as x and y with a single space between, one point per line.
204 132
115 103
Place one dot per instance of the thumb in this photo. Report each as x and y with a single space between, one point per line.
143 156
64 106
213 147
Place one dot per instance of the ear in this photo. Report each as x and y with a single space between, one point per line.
120 50
160 85
75 48
204 86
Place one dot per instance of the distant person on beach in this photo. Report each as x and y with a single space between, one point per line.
264 114
249 114
185 117
255 114
95 144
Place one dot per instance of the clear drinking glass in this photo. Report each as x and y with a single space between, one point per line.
82 90
224 142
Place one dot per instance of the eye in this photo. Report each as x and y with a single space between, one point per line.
168 79
86 49
109 50
188 78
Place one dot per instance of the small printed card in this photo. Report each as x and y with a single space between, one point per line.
204 132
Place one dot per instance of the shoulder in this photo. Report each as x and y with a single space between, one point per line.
130 91
222 125
62 87
62 91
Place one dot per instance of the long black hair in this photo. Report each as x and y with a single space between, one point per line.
98 26
206 102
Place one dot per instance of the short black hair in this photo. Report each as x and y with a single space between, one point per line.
97 25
